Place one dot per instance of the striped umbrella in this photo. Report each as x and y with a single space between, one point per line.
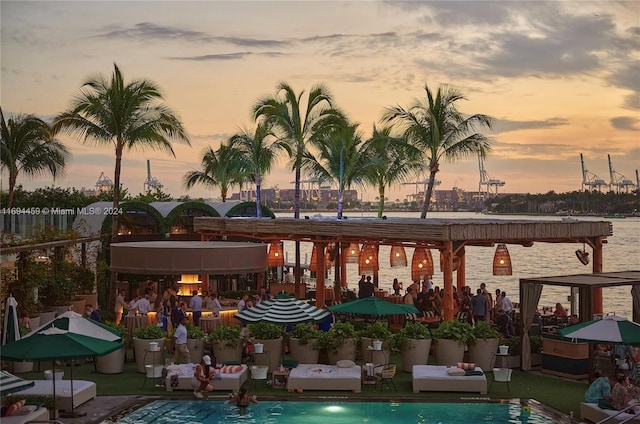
283 311
9 383
610 329
78 324
11 330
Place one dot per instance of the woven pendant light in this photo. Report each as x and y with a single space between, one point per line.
502 261
352 253
368 260
421 264
398 256
275 257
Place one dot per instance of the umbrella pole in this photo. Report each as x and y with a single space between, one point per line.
72 413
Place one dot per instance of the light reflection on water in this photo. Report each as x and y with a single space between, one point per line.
621 253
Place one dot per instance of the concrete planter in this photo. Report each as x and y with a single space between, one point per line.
483 353
305 354
449 352
224 353
272 356
415 352
378 357
20 367
113 363
347 350
196 350
139 348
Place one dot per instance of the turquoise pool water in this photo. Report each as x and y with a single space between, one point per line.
214 412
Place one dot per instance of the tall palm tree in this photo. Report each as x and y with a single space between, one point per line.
125 116
221 168
28 146
257 151
297 126
396 160
440 131
341 158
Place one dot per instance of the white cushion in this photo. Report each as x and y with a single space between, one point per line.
455 371
345 363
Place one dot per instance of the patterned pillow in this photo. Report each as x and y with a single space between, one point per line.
231 369
455 371
25 410
467 365
14 407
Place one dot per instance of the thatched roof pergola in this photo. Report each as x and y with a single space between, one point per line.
449 236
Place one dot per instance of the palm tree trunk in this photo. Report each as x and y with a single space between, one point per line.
427 195
12 186
113 276
258 208
381 201
340 203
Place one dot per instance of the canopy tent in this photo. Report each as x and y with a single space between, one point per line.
373 306
609 329
10 383
282 310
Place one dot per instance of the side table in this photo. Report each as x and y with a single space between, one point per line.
280 379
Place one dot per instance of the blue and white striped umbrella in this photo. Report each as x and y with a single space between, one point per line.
283 311
9 383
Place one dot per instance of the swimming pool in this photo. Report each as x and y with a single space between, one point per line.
331 412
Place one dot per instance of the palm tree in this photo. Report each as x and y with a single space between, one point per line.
341 158
28 146
257 151
296 126
396 160
126 116
439 130
221 168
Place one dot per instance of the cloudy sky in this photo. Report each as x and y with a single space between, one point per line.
561 77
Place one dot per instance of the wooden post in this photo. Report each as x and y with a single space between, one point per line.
447 265
597 268
321 271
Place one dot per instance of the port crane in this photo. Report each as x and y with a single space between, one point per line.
151 183
424 183
590 180
104 183
618 181
488 181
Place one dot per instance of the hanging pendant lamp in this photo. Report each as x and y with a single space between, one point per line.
421 264
502 261
397 257
275 257
368 260
352 253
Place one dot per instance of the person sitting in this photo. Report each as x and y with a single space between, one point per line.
397 286
560 312
504 323
202 375
242 398
600 388
92 313
623 393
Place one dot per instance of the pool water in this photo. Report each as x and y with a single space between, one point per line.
330 412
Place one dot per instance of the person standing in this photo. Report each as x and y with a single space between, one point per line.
486 293
196 308
121 305
479 306
216 307
507 305
366 289
181 355
242 304
142 305
397 286
288 277
263 295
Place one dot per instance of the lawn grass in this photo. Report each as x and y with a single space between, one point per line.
560 394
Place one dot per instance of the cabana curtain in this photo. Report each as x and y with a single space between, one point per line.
530 298
635 295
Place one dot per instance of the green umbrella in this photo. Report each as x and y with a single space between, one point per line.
9 383
610 329
11 331
373 306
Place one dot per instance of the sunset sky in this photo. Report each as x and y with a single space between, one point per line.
561 77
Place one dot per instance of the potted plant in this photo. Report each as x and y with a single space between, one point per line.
113 363
414 341
536 350
45 401
451 339
270 336
375 342
195 343
482 351
513 359
304 343
226 342
340 342
141 344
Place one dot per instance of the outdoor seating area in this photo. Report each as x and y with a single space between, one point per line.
229 377
593 413
83 391
439 378
325 377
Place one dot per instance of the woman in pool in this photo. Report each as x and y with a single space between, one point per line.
242 399
202 376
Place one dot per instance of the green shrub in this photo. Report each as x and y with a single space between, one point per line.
230 335
339 332
195 332
264 331
485 330
455 330
379 330
305 332
149 332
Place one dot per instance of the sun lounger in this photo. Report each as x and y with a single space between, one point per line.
83 391
179 378
325 377
434 378
593 413
40 414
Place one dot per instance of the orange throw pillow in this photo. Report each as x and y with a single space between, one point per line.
231 369
14 407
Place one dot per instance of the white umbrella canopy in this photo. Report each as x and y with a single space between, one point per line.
609 329
79 324
283 311
11 330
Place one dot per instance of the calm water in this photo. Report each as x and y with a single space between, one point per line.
206 412
621 253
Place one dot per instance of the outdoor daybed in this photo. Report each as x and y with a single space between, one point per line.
83 391
434 378
231 377
325 377
593 413
39 414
